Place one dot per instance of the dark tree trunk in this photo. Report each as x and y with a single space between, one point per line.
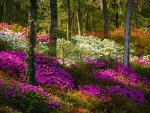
117 20
31 69
105 17
127 33
68 21
73 21
87 18
1 10
53 28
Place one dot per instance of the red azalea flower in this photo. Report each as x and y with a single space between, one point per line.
78 110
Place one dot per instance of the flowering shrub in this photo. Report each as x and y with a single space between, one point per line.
83 46
121 75
12 42
141 65
132 94
96 48
139 39
28 98
95 63
94 90
46 72
14 29
14 37
43 37
99 34
133 78
13 64
4 25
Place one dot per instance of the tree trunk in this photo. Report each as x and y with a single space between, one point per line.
31 69
87 18
127 33
68 21
79 17
105 17
73 21
53 28
1 10
117 20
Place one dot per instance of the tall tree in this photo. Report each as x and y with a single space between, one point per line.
87 16
116 10
68 21
53 28
11 9
127 33
31 69
105 18
79 17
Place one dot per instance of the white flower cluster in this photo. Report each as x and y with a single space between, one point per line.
97 48
13 42
82 46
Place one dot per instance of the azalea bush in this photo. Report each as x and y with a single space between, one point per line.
82 46
105 93
119 99
14 37
47 73
28 98
12 42
141 65
14 29
139 39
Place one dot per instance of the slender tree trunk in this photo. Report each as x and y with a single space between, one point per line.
53 28
127 33
79 17
73 20
68 21
105 18
31 68
1 10
117 20
87 19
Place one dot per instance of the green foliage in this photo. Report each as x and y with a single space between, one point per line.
41 47
14 11
3 46
17 28
43 16
75 99
7 109
121 105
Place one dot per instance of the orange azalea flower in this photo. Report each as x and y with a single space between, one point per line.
78 110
